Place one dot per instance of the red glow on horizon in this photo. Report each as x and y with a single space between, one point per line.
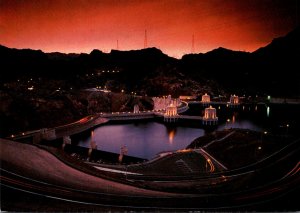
81 26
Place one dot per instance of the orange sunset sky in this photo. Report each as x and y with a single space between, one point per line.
83 25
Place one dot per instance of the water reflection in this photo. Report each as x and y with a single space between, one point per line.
146 139
233 117
93 144
171 132
143 139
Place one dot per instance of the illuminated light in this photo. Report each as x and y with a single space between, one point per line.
227 123
226 105
259 148
23 133
256 108
122 90
12 136
265 132
243 107
224 178
287 125
268 111
219 107
269 97
185 150
30 88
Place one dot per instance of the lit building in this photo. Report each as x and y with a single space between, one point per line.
210 116
136 108
205 98
234 99
187 97
164 102
171 110
171 113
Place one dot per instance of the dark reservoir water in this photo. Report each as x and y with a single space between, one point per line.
145 139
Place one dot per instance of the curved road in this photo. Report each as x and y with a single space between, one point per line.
33 171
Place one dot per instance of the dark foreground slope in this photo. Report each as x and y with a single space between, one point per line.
41 182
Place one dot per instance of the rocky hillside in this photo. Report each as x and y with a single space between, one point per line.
25 112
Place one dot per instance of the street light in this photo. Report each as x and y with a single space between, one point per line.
263 133
227 123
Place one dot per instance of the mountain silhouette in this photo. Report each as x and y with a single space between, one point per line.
273 69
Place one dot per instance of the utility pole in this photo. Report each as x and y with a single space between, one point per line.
193 44
145 40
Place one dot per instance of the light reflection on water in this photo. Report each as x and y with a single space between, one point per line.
171 133
146 139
